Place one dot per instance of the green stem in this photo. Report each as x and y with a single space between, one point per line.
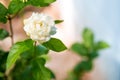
34 52
35 44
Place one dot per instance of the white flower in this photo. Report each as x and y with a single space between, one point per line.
39 27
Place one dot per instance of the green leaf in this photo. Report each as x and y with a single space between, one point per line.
55 45
39 71
3 19
49 1
3 10
3 57
27 70
15 6
58 21
3 13
40 50
52 74
3 34
45 57
101 45
26 74
17 49
79 49
1 74
22 70
73 76
93 55
88 37
27 54
83 67
41 3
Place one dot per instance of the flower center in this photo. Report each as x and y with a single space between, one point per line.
41 24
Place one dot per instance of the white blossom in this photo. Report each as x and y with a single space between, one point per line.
39 27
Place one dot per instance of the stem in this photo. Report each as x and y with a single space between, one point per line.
35 44
6 75
11 30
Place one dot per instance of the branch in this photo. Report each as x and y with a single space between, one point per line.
11 30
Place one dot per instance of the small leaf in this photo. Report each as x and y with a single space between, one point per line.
15 6
52 74
3 57
58 21
26 74
3 10
1 74
79 49
93 55
55 45
49 1
101 45
39 71
83 67
3 34
41 3
45 57
38 3
17 49
40 50
33 69
73 76
3 13
88 37
3 19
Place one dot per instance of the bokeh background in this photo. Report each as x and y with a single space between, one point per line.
102 16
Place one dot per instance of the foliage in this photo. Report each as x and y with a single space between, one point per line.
3 13
3 34
3 57
16 50
58 21
88 49
51 44
26 60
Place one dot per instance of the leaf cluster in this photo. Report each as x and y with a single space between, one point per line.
88 49
30 63
15 6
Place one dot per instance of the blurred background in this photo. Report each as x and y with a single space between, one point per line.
102 16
